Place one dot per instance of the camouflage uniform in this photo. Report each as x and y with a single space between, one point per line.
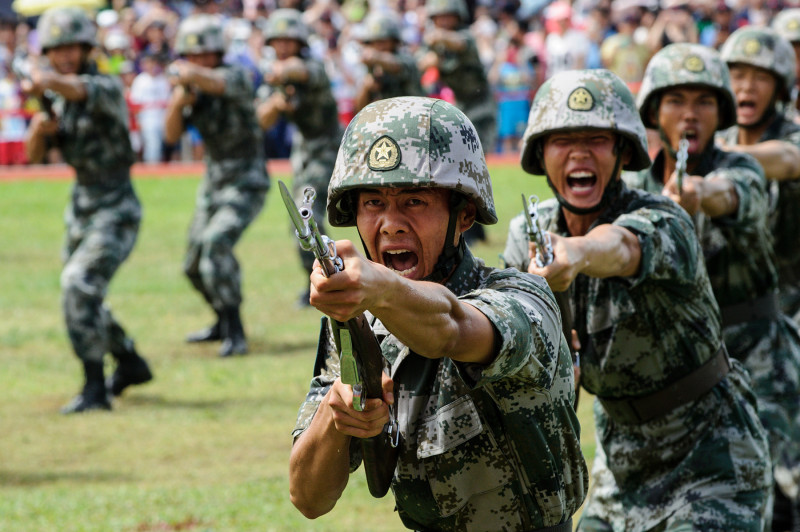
463 72
705 462
102 219
406 82
740 261
491 447
764 48
318 132
235 182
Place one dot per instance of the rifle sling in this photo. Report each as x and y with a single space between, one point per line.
684 390
765 307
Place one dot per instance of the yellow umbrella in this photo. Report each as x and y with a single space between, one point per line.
31 8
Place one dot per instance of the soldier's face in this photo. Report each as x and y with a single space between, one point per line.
285 48
689 111
405 229
381 45
67 59
754 89
446 21
580 164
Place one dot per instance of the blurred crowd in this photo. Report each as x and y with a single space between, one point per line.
521 44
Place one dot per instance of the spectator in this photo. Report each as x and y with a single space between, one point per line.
566 48
150 94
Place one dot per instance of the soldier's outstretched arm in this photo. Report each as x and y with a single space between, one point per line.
605 251
41 127
319 465
780 159
425 316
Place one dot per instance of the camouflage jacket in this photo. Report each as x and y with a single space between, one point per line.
93 133
737 248
483 447
232 138
93 138
316 114
638 335
463 72
784 198
616 318
406 82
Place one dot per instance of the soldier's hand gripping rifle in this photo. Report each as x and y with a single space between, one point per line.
360 354
544 256
23 67
681 157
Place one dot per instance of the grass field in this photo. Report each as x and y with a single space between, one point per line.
205 446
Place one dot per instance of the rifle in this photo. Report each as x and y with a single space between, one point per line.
361 360
22 67
545 256
680 166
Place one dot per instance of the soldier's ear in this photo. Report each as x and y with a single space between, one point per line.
467 216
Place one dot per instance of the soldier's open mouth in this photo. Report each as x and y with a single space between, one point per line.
579 181
401 261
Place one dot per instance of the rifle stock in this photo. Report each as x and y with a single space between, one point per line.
360 355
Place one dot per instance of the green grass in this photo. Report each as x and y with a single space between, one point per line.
203 447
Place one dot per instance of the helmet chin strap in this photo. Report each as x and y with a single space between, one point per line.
611 191
451 254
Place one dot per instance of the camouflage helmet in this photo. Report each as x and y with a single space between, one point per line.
762 48
787 24
410 142
443 7
584 99
684 64
286 23
199 34
379 26
65 25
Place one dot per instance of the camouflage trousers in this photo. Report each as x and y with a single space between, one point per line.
770 350
312 165
704 466
220 218
96 245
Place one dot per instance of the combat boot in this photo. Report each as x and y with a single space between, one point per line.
131 369
94 395
209 334
233 339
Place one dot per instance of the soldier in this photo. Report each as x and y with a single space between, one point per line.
787 24
298 89
483 383
217 99
89 124
762 66
686 93
392 72
450 48
680 446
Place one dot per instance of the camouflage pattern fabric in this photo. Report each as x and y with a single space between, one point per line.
463 72
740 263
443 7
403 83
102 219
233 189
200 33
703 458
787 24
65 25
378 151
461 424
314 142
784 217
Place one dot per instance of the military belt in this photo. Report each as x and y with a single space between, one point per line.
761 308
104 177
684 390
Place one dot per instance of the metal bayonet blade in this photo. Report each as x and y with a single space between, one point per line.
291 206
